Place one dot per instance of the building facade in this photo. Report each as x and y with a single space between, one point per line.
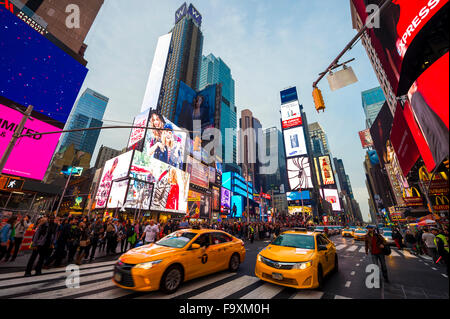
104 154
317 132
87 113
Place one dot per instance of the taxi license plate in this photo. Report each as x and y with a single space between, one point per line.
117 277
277 276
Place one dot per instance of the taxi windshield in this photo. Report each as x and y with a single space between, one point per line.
295 241
387 233
360 231
176 240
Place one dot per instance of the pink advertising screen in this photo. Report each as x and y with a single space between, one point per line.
31 155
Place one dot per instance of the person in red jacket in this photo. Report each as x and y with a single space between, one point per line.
172 199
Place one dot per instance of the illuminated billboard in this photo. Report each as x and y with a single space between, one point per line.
326 171
290 115
155 80
138 134
139 195
293 210
225 201
114 169
165 142
30 156
117 194
198 171
331 196
34 71
216 198
299 173
199 205
304 195
237 201
366 138
171 188
294 142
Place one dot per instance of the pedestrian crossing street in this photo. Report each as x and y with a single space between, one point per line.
95 283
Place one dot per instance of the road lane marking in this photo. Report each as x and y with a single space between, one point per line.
353 273
444 275
308 294
348 283
433 268
340 247
353 248
227 289
266 291
408 254
362 249
341 297
357 265
393 253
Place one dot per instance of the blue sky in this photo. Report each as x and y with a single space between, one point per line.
269 45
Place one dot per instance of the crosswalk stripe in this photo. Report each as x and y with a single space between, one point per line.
393 253
362 250
341 297
308 294
28 289
227 289
340 247
408 254
48 277
426 257
266 291
352 248
188 286
59 270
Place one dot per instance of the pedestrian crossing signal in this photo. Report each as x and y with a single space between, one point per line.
318 100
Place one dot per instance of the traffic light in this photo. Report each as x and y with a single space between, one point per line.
318 100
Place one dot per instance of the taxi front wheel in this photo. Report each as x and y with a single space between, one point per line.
171 280
234 263
320 277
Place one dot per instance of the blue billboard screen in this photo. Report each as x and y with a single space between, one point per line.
237 200
298 195
289 95
35 71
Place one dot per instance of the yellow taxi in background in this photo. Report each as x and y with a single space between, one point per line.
297 259
181 256
347 232
360 234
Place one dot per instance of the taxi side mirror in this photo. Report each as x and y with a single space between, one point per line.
322 247
195 246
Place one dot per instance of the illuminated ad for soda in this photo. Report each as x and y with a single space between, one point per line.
139 195
225 201
199 205
34 71
294 142
326 171
114 169
138 134
164 141
331 196
400 23
31 155
299 173
290 115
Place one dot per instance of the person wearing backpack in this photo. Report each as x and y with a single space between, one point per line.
375 243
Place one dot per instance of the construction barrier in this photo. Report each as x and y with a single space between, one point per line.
27 238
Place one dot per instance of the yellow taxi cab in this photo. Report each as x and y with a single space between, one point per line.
347 232
297 259
360 234
181 256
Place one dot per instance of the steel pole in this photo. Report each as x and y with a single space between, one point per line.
15 137
63 193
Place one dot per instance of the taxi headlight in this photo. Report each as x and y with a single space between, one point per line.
148 265
303 265
259 258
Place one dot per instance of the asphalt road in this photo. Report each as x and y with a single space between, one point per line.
410 277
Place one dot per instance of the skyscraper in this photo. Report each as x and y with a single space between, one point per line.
104 154
274 148
316 132
372 102
215 71
343 178
184 58
87 113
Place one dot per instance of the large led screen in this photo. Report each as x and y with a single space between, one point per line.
165 142
138 134
326 171
199 205
139 195
195 107
30 156
114 169
216 199
331 196
238 201
290 115
171 188
304 195
35 71
117 194
299 173
225 201
294 141
199 172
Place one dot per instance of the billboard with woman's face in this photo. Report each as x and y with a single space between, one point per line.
164 141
